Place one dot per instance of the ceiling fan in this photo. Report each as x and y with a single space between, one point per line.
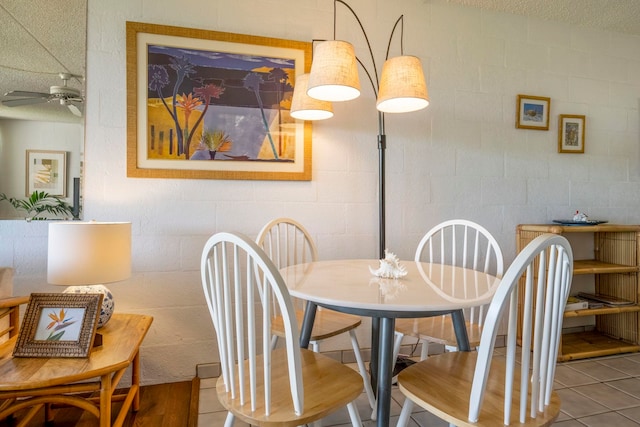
65 95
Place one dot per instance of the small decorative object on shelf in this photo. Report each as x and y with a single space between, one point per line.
579 216
390 267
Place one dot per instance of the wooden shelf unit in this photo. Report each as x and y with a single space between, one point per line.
615 267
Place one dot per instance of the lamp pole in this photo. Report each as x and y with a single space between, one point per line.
382 146
334 77
382 138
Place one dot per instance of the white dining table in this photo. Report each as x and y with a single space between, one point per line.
426 290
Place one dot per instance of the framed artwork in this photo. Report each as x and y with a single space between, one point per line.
533 112
208 104
46 171
571 133
58 325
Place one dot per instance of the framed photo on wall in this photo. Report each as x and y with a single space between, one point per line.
571 131
214 105
533 112
46 171
58 325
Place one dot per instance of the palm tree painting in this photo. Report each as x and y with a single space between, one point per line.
205 105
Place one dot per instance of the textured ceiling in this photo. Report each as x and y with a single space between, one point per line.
38 40
41 38
621 16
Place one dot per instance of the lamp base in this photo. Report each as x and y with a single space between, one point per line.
107 301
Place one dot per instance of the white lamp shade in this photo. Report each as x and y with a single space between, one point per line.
334 72
303 107
402 86
88 253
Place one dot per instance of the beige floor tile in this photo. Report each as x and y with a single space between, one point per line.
599 371
576 405
628 385
608 419
568 423
623 364
608 396
570 377
632 414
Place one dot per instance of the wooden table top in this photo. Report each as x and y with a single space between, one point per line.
122 337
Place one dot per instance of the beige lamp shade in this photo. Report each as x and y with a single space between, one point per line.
334 72
88 253
402 86
303 107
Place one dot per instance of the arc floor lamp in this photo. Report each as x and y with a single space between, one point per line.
401 88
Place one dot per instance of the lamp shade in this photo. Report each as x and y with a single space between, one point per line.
402 86
334 72
303 107
88 253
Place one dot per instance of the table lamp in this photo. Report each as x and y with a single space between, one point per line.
85 255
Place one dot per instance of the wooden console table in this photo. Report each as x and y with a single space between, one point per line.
38 382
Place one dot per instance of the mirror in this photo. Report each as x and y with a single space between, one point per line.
43 62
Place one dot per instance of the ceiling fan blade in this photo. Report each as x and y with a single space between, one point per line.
27 94
77 111
23 101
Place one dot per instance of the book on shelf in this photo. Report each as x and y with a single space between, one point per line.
575 303
605 300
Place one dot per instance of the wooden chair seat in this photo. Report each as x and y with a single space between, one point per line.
442 385
327 324
336 387
437 329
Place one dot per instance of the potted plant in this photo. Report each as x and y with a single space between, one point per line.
38 203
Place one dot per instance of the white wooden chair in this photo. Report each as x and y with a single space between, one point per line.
287 386
461 243
483 389
287 242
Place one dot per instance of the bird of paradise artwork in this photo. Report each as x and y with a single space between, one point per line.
59 321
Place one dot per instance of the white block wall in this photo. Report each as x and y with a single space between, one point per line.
462 157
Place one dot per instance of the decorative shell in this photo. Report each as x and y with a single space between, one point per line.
390 267
580 217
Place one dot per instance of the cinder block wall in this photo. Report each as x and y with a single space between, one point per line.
462 157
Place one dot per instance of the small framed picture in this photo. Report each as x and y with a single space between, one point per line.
533 112
46 171
58 325
571 133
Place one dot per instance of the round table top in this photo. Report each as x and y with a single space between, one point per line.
426 287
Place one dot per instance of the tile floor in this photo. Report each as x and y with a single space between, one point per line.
594 392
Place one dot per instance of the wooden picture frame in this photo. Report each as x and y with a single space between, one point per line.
533 112
213 105
46 170
571 133
58 325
